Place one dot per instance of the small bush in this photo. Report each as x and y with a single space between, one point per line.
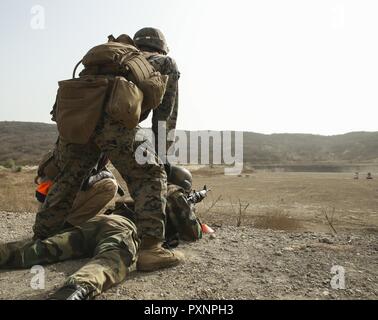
9 164
17 169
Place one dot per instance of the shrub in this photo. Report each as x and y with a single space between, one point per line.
9 164
17 169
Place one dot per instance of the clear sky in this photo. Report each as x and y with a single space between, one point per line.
304 66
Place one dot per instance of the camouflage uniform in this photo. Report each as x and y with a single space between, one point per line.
88 203
95 193
181 219
168 110
111 242
152 42
146 183
181 223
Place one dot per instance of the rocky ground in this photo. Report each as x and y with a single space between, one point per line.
236 263
284 248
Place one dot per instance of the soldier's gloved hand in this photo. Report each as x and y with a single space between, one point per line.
92 180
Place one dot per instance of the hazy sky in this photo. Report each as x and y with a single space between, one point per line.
306 66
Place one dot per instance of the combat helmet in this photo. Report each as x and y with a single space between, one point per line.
151 38
123 38
181 177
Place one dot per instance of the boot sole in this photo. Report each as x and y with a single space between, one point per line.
152 269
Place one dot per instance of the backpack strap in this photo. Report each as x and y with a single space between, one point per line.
77 66
140 68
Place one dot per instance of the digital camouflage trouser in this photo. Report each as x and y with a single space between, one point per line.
111 242
167 112
147 183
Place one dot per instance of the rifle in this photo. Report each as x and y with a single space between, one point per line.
197 197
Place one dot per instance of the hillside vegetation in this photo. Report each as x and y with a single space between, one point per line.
26 142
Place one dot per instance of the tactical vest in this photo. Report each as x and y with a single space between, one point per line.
117 79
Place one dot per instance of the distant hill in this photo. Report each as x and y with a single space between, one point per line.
26 142
290 148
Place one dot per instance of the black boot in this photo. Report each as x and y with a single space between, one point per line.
71 292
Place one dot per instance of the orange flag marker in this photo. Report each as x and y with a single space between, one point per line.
206 229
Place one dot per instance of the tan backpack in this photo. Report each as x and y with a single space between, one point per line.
118 79
122 59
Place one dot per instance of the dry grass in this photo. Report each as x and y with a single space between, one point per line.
281 201
17 191
240 212
329 214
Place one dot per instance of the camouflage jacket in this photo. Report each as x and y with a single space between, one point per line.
168 110
182 222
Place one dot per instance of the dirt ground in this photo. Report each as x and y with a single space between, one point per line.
278 235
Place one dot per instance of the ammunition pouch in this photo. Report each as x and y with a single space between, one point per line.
154 91
48 167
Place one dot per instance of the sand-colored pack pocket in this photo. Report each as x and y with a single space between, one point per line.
125 103
80 103
154 90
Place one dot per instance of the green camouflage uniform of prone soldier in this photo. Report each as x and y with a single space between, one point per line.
110 240
100 112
